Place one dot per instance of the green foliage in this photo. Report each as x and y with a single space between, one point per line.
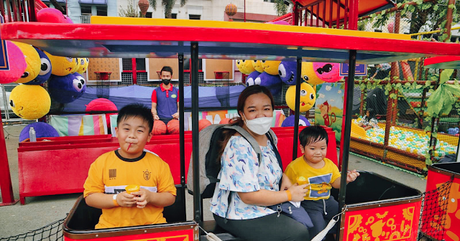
280 7
167 4
130 11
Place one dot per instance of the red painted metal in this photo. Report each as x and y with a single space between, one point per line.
443 62
444 220
5 177
30 32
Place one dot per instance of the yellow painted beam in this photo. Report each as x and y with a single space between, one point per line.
241 25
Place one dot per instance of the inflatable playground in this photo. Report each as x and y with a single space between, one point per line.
389 210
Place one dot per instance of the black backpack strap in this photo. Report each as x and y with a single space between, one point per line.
271 136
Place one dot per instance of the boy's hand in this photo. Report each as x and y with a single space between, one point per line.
126 200
298 192
141 198
352 175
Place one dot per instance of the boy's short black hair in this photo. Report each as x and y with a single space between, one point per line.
136 110
167 69
312 134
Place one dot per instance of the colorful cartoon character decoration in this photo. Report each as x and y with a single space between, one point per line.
272 82
45 69
327 114
250 80
257 64
17 64
33 62
30 102
51 15
244 66
82 65
62 66
307 97
42 130
287 70
65 89
290 121
271 66
328 72
308 74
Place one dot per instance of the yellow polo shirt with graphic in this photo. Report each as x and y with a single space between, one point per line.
320 180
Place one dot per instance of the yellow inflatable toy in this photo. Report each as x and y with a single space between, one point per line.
30 102
82 65
245 66
33 62
309 75
271 66
62 66
307 97
257 64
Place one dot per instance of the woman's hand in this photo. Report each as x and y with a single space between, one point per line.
298 192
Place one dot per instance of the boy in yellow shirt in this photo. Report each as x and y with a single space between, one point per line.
109 175
320 173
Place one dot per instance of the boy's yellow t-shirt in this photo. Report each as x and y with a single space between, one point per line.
111 174
320 180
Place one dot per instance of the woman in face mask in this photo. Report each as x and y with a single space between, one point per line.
248 185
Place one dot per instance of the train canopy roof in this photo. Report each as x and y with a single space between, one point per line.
116 37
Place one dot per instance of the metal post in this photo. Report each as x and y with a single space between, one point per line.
195 135
181 126
297 107
244 14
5 178
347 107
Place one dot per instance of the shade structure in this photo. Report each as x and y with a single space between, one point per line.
365 7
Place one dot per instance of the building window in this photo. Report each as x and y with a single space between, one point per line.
271 1
148 15
194 16
174 15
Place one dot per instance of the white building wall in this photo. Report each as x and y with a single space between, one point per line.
208 9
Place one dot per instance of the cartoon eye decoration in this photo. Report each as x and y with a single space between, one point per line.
238 62
257 81
282 71
45 68
255 61
79 83
69 59
242 61
82 61
12 103
25 75
302 123
303 92
312 96
325 69
305 77
263 61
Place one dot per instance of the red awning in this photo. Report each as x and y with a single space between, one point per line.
365 7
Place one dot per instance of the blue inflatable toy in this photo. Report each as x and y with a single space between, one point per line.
42 129
287 71
65 89
289 121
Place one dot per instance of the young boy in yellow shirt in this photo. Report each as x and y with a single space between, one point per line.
113 171
320 173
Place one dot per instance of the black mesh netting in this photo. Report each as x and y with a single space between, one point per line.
433 218
50 232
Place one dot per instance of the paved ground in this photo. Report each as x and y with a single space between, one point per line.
40 211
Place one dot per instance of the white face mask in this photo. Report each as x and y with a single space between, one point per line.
260 125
